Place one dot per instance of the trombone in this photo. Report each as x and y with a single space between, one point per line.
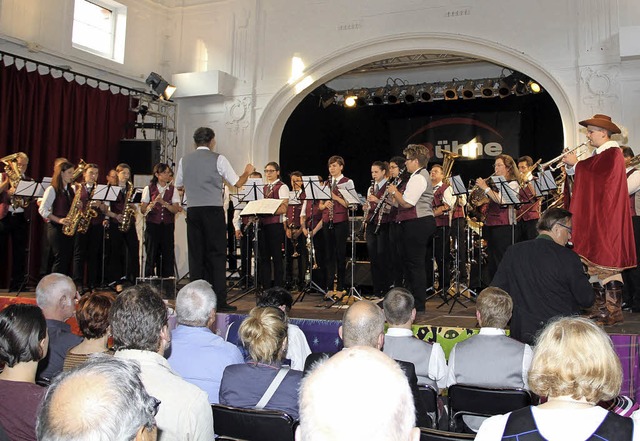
552 163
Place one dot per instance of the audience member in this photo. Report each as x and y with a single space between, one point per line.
103 399
197 353
264 335
23 342
574 366
376 400
490 359
140 333
298 348
93 319
56 295
400 343
556 285
363 325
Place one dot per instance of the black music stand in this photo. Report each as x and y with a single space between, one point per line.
105 193
509 198
313 192
29 189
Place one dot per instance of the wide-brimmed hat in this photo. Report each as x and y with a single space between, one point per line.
602 121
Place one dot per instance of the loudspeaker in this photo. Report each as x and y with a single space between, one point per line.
361 274
141 154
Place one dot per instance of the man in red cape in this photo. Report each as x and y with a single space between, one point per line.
602 225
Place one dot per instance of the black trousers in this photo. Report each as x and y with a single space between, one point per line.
499 238
416 234
631 277
15 228
379 251
439 248
298 263
207 241
247 245
87 250
396 246
335 243
61 247
123 255
271 241
159 246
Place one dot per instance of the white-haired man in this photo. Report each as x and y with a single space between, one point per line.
101 399
56 295
196 353
377 410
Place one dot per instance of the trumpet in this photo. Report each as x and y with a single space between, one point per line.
552 163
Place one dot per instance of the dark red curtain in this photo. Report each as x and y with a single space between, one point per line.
48 117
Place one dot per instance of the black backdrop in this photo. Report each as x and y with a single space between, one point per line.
366 134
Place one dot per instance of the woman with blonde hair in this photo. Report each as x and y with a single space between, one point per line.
574 366
264 335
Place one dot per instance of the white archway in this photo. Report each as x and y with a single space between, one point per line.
275 114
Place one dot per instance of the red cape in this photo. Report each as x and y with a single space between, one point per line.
602 226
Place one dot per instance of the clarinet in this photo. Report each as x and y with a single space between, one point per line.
363 227
383 200
333 187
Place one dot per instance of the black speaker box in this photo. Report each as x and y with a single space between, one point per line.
361 274
141 154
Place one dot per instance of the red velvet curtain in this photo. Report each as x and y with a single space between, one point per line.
48 117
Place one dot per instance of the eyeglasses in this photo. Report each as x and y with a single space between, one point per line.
269 171
564 226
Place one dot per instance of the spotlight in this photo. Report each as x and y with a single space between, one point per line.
506 85
378 96
486 90
426 93
468 90
160 86
534 87
394 95
363 96
450 91
143 110
410 95
520 88
350 101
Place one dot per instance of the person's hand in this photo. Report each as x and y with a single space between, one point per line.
65 221
249 168
570 159
482 183
238 234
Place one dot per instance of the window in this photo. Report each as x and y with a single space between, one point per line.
99 28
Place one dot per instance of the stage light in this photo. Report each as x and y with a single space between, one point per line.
504 90
160 86
487 89
520 88
468 90
450 91
394 95
378 96
534 87
426 93
410 95
350 101
362 97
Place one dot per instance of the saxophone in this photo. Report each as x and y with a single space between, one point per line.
129 213
14 175
75 214
89 213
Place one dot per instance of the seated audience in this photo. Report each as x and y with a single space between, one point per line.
23 342
140 333
370 388
264 335
93 319
363 325
56 295
298 349
104 399
197 353
574 366
490 358
401 344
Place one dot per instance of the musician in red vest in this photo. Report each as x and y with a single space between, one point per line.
631 277
528 214
160 203
271 234
415 215
398 174
443 201
55 206
335 227
87 247
377 230
296 250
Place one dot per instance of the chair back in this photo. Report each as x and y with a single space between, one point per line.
480 401
252 424
440 435
429 397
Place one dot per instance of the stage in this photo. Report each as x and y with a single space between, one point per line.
320 325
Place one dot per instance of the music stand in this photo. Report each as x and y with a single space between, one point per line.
105 193
313 192
28 189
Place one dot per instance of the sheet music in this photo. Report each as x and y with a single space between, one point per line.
106 192
457 186
508 195
314 190
262 206
30 189
294 197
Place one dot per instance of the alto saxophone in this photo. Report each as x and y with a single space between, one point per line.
74 214
89 213
129 213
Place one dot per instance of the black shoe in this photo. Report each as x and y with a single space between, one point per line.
227 308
